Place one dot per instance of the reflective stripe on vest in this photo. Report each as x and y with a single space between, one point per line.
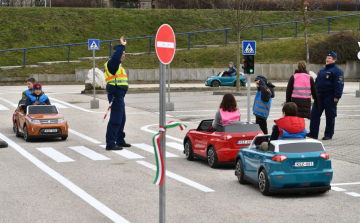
42 98
302 86
227 116
261 108
293 135
120 78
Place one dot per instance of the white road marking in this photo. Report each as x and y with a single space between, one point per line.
163 44
58 105
55 155
178 178
145 128
175 145
353 194
84 136
70 105
150 149
89 153
126 153
342 184
165 115
337 189
67 183
3 108
7 101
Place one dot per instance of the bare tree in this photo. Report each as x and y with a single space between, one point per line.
239 14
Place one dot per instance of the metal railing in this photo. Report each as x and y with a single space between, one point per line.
186 33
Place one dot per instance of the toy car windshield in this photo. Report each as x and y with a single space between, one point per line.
301 147
42 109
237 127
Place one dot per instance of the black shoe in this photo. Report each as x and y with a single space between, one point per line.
124 145
310 136
114 148
326 138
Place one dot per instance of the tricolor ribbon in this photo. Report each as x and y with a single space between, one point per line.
160 172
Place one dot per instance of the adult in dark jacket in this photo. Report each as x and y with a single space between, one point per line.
262 101
330 85
300 88
37 97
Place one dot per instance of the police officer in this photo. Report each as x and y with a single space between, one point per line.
330 85
116 86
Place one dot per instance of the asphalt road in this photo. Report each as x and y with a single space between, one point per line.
77 180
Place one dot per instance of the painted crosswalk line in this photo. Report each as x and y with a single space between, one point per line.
84 136
178 178
353 194
175 145
89 153
3 108
337 189
58 105
126 153
150 149
55 155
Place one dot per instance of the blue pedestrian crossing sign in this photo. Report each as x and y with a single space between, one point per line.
249 47
94 44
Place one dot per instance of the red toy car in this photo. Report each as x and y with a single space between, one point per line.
221 145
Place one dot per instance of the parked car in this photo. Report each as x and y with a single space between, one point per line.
285 165
39 121
221 145
221 80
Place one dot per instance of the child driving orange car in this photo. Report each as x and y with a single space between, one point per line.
37 97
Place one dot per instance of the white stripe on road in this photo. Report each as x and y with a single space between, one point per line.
67 183
55 155
126 153
3 108
145 128
353 194
337 189
175 145
165 44
150 149
342 184
70 105
7 101
89 153
178 178
84 136
58 105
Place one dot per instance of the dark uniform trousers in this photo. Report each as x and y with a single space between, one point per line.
326 103
115 134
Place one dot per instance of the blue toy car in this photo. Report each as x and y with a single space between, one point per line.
221 80
285 165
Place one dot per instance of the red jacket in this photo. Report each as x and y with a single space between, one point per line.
291 124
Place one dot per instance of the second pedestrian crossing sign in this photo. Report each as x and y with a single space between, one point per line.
249 47
93 44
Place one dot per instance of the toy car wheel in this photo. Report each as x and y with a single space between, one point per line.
63 137
26 134
239 172
212 157
242 84
215 84
188 151
322 191
16 129
264 183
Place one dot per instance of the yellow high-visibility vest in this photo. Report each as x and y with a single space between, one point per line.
120 78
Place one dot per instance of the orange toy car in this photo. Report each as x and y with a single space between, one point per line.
39 121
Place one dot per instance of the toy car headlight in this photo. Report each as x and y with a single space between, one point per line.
34 121
61 120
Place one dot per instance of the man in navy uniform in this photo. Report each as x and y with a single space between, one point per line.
330 85
116 86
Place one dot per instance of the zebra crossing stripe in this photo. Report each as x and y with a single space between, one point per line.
353 194
126 153
3 108
175 145
89 153
55 155
150 149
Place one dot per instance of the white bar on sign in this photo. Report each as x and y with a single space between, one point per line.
55 155
178 178
150 149
3 108
165 44
175 145
126 153
89 153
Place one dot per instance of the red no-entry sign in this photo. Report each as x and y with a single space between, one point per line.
165 44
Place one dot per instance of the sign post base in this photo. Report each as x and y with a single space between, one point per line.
94 104
169 106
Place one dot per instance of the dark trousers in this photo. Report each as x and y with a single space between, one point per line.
115 134
262 123
326 103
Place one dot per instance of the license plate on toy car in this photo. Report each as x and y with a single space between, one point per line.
50 130
303 164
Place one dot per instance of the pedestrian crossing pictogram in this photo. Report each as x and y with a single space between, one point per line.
94 46
249 49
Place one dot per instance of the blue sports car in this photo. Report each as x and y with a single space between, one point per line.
285 165
221 80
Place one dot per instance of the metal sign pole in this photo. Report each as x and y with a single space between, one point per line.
248 96
168 82
94 72
162 113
